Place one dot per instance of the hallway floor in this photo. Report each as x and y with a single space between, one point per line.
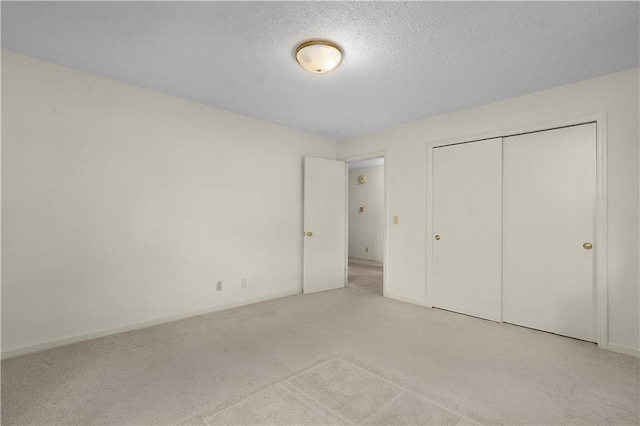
338 357
365 275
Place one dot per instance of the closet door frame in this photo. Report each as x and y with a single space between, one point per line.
600 274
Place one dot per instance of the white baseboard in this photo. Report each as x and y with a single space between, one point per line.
624 350
169 318
611 346
192 313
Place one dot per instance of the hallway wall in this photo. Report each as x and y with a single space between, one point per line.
366 238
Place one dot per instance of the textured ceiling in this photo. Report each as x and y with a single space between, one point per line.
403 61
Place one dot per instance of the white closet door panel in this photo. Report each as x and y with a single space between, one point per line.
548 213
467 217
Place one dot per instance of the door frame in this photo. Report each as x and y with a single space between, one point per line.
600 273
363 157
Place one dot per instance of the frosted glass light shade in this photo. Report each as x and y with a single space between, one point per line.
318 56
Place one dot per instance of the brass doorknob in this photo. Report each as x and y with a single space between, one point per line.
437 237
309 233
587 246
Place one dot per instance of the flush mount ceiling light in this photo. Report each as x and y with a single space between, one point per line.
318 56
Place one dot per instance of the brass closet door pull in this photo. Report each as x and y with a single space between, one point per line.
437 237
309 233
587 246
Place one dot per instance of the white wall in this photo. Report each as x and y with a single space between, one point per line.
405 159
366 229
123 206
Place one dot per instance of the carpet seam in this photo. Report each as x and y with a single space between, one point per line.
339 416
283 381
415 394
377 410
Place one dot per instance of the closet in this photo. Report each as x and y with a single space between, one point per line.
467 211
513 223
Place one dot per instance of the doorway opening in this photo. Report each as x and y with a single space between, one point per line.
366 207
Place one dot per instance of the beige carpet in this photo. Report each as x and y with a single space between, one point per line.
336 392
339 357
365 275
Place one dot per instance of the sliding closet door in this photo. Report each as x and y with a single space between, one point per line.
466 223
548 227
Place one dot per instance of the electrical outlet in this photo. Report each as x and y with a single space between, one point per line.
219 286
243 283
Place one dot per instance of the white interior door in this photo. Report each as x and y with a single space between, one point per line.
549 202
467 191
324 224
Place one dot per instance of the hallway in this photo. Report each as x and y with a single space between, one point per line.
365 275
